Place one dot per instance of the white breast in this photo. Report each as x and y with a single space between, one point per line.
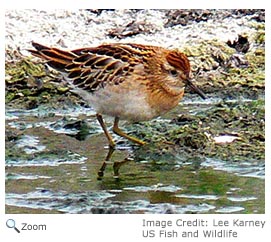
130 105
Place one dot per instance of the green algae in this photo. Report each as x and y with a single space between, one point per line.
29 84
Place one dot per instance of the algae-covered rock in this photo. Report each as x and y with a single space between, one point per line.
218 67
29 84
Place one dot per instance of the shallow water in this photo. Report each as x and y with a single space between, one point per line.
52 169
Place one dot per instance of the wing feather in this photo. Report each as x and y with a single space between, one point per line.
92 68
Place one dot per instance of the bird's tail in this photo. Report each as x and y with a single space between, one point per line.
55 58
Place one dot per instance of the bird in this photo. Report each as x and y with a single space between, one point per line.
127 81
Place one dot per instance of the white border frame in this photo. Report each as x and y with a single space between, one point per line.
126 227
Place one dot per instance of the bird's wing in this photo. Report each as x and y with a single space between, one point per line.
94 67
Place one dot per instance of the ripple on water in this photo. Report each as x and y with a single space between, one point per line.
157 187
230 209
96 202
16 176
44 111
51 160
37 119
201 197
247 169
241 199
30 144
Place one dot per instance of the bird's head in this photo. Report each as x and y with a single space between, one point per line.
177 69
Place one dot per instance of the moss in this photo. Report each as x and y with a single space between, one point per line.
260 37
28 82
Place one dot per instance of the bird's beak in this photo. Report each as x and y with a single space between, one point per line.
195 89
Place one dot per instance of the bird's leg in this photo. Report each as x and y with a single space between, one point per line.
111 145
107 134
117 165
107 159
119 132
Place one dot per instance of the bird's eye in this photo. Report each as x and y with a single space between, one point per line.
173 73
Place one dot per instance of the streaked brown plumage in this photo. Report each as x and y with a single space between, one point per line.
126 81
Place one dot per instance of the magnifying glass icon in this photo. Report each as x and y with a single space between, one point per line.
11 224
